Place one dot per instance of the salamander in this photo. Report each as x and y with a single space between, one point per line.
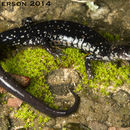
58 33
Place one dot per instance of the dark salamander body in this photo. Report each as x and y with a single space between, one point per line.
59 33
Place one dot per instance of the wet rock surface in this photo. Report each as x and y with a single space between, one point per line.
98 112
76 126
60 81
95 112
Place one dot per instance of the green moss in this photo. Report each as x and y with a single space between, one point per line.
111 37
26 114
106 74
34 63
78 88
1 97
37 63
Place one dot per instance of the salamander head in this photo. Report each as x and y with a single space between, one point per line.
120 52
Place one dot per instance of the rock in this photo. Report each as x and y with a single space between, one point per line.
22 80
14 102
60 80
122 97
2 90
113 17
73 10
99 13
76 126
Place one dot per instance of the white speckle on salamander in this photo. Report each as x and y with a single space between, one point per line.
55 21
30 42
92 49
45 32
67 39
18 43
28 36
126 54
24 43
38 31
54 36
70 39
4 40
97 52
7 37
22 36
105 58
60 37
86 46
80 42
83 32
66 29
75 42
113 55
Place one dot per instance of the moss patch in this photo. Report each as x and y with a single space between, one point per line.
1 97
106 74
111 37
36 63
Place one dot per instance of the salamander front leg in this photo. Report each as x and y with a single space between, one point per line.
56 53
